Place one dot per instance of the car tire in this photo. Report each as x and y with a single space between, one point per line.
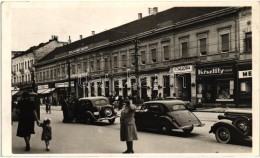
223 135
243 125
165 128
111 121
188 131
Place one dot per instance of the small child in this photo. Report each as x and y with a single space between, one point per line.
46 132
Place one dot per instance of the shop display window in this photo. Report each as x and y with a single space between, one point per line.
225 90
246 88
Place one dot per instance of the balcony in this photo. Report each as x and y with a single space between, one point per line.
14 73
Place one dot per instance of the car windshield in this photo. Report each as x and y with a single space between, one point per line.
101 102
177 107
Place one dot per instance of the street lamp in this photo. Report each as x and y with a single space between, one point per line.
69 86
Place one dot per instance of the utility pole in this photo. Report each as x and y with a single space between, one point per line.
136 41
69 88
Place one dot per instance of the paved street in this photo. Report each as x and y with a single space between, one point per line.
104 138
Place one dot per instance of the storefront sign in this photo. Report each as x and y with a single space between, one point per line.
43 86
65 84
215 71
181 69
245 74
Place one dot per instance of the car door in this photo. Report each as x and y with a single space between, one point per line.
153 114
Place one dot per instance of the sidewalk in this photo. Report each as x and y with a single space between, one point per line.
218 109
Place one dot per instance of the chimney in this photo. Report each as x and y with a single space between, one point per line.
69 41
93 33
55 37
80 37
155 10
139 16
150 11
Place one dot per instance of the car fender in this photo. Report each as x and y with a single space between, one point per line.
234 130
90 114
169 120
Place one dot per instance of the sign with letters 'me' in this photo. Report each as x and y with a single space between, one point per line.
245 74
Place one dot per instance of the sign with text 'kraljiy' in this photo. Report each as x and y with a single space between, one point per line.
214 71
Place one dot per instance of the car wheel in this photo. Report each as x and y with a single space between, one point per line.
107 112
223 135
165 128
242 124
188 130
111 121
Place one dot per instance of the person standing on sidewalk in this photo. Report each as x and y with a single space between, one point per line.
47 103
27 117
128 130
65 108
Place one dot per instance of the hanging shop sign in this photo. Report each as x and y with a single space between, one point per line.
245 74
215 71
182 69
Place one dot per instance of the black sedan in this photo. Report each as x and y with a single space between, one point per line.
92 109
166 115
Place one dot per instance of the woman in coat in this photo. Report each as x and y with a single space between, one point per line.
27 117
128 130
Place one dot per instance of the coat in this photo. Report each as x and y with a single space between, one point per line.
128 130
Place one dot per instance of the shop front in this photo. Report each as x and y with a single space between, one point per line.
245 85
216 85
184 82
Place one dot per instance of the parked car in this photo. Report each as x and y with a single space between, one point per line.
92 109
166 115
233 125
188 105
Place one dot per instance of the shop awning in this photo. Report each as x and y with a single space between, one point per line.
14 92
39 91
49 90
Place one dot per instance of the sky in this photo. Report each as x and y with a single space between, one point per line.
35 22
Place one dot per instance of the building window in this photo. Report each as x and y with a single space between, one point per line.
91 66
248 42
115 62
79 68
203 46
51 74
28 64
98 65
202 43
246 89
47 73
224 40
132 57
106 64
63 71
143 57
123 61
85 67
184 49
225 90
58 72
25 65
55 73
154 55
166 52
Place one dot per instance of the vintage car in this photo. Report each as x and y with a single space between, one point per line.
188 105
234 125
166 115
92 109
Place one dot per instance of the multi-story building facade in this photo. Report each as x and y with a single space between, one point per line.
196 55
23 62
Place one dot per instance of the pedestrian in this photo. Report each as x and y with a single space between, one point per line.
128 130
46 132
27 117
65 108
47 102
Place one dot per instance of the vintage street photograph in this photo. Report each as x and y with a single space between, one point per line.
156 78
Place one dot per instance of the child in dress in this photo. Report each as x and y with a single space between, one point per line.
46 132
